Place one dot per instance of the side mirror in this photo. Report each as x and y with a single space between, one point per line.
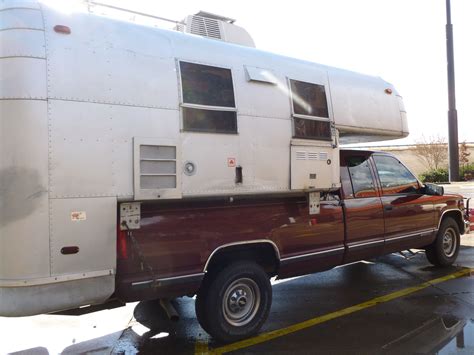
433 190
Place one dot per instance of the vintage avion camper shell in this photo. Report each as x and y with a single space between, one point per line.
97 112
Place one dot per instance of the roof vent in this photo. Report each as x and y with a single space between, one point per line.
216 27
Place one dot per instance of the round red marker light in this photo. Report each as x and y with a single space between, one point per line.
62 29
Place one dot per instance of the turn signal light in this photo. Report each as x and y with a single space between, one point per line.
62 29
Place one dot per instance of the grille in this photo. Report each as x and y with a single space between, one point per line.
206 27
312 156
300 155
157 167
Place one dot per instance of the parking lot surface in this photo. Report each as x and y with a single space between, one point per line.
386 305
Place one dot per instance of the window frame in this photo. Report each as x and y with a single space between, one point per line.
373 176
308 117
204 107
379 181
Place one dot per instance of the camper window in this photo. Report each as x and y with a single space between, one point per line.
312 129
208 99
309 99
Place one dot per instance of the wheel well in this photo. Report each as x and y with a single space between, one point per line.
457 216
264 254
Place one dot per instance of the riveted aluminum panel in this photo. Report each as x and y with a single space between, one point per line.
21 18
91 149
361 103
94 233
24 220
22 43
264 159
23 78
31 300
110 62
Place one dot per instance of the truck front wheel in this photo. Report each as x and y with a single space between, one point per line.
237 302
445 249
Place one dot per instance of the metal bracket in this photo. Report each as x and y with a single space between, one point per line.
314 202
130 216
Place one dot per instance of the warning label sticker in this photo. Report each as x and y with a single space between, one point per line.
231 162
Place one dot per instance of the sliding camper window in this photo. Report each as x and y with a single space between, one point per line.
310 111
208 99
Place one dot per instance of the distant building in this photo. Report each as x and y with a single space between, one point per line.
408 155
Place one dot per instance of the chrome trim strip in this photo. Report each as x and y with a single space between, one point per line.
256 241
442 214
167 279
419 233
366 243
312 254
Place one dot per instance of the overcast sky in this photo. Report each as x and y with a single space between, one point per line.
403 41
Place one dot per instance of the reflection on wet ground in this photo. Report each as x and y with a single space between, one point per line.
462 342
437 319
441 335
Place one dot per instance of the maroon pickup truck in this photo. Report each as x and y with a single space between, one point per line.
225 250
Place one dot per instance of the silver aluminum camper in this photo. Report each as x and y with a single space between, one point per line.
95 112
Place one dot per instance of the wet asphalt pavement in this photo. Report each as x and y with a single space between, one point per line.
435 319
438 318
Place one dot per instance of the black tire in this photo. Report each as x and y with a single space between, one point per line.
445 248
200 304
236 302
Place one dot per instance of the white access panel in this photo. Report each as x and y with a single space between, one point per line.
89 224
314 167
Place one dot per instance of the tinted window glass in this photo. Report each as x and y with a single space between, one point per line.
209 120
206 85
394 177
312 129
309 99
361 177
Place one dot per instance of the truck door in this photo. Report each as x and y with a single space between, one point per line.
409 215
363 207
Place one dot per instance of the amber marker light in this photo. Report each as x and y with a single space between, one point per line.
388 91
62 29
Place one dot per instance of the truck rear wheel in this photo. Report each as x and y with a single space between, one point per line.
445 249
236 302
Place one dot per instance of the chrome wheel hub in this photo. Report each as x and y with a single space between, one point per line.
241 302
449 242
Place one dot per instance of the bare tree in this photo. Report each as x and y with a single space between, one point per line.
463 154
433 151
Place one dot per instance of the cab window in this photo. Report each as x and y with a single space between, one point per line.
394 177
361 177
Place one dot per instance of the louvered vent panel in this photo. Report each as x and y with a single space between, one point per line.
300 155
312 156
157 167
212 28
206 27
